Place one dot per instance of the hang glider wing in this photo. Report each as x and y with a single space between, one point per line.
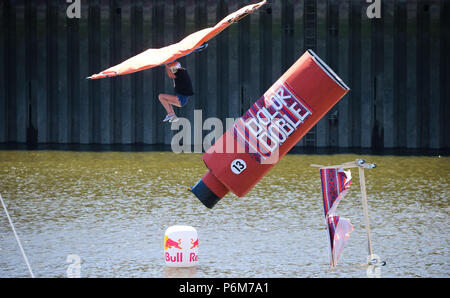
155 57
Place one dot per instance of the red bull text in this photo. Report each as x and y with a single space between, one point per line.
178 256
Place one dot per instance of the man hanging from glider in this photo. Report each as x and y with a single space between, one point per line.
194 42
183 89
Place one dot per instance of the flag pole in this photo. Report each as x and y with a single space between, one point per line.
362 180
361 165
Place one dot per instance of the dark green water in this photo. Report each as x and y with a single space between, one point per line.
112 209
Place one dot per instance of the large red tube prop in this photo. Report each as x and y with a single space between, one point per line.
269 129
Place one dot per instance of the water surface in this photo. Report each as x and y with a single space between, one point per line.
112 209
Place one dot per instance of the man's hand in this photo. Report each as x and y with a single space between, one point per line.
169 72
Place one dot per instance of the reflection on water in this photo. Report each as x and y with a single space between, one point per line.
180 272
112 209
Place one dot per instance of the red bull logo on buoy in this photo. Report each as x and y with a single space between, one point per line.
182 252
169 243
194 243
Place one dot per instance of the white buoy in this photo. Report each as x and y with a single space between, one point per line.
181 246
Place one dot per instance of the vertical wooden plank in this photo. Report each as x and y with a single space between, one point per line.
94 67
11 70
200 75
158 13
150 102
84 109
105 85
137 47
255 70
287 34
62 94
201 70
298 28
52 70
30 70
435 65
310 43
74 78
211 56
168 38
332 54
244 61
355 73
332 34
178 33
400 42
444 75
116 58
211 106
21 85
291 46
277 67
411 75
245 64
222 71
41 66
190 61
3 107
298 38
234 104
366 79
388 77
321 126
344 58
378 77
127 100
179 24
423 73
265 48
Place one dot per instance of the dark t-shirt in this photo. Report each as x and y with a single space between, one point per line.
183 83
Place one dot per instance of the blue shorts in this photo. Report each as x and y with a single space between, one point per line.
183 99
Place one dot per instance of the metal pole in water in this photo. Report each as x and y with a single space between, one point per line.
362 181
17 237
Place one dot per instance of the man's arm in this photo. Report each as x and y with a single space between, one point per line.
169 72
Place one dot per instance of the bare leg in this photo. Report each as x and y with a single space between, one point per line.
168 101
